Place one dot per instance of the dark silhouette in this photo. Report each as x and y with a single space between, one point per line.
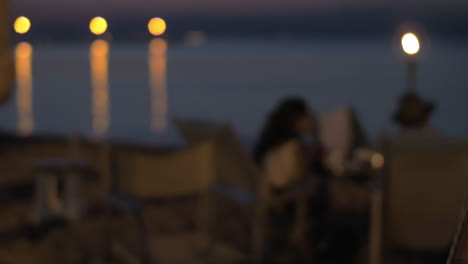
413 116
288 121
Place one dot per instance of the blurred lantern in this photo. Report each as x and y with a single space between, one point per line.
22 25
157 26
410 44
411 47
98 26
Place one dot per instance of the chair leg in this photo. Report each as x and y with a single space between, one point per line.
145 257
258 234
375 234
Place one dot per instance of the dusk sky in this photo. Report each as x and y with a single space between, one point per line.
50 10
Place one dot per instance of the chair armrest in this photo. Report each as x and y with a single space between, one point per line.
304 189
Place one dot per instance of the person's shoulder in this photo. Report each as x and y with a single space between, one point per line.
292 144
286 148
425 133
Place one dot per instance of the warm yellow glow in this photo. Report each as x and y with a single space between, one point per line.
99 48
157 26
22 25
98 26
24 50
410 43
99 52
158 47
377 161
23 54
158 86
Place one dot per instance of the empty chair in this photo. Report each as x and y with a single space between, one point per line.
416 211
163 182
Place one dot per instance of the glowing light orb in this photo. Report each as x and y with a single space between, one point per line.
377 161
22 25
410 43
98 26
157 26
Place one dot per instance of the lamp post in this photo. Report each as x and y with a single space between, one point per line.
157 75
24 82
99 53
411 47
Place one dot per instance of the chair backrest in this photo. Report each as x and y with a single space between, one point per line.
424 189
195 132
149 175
233 165
340 130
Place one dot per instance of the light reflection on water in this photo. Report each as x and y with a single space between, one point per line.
25 122
157 77
99 53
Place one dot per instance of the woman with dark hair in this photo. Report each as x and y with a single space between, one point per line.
281 151
289 155
282 154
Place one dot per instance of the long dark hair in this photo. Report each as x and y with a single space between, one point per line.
280 126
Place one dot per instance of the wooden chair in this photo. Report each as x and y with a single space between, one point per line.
242 188
29 163
160 182
416 209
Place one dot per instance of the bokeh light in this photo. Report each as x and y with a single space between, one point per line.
157 26
98 26
22 25
377 161
410 43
